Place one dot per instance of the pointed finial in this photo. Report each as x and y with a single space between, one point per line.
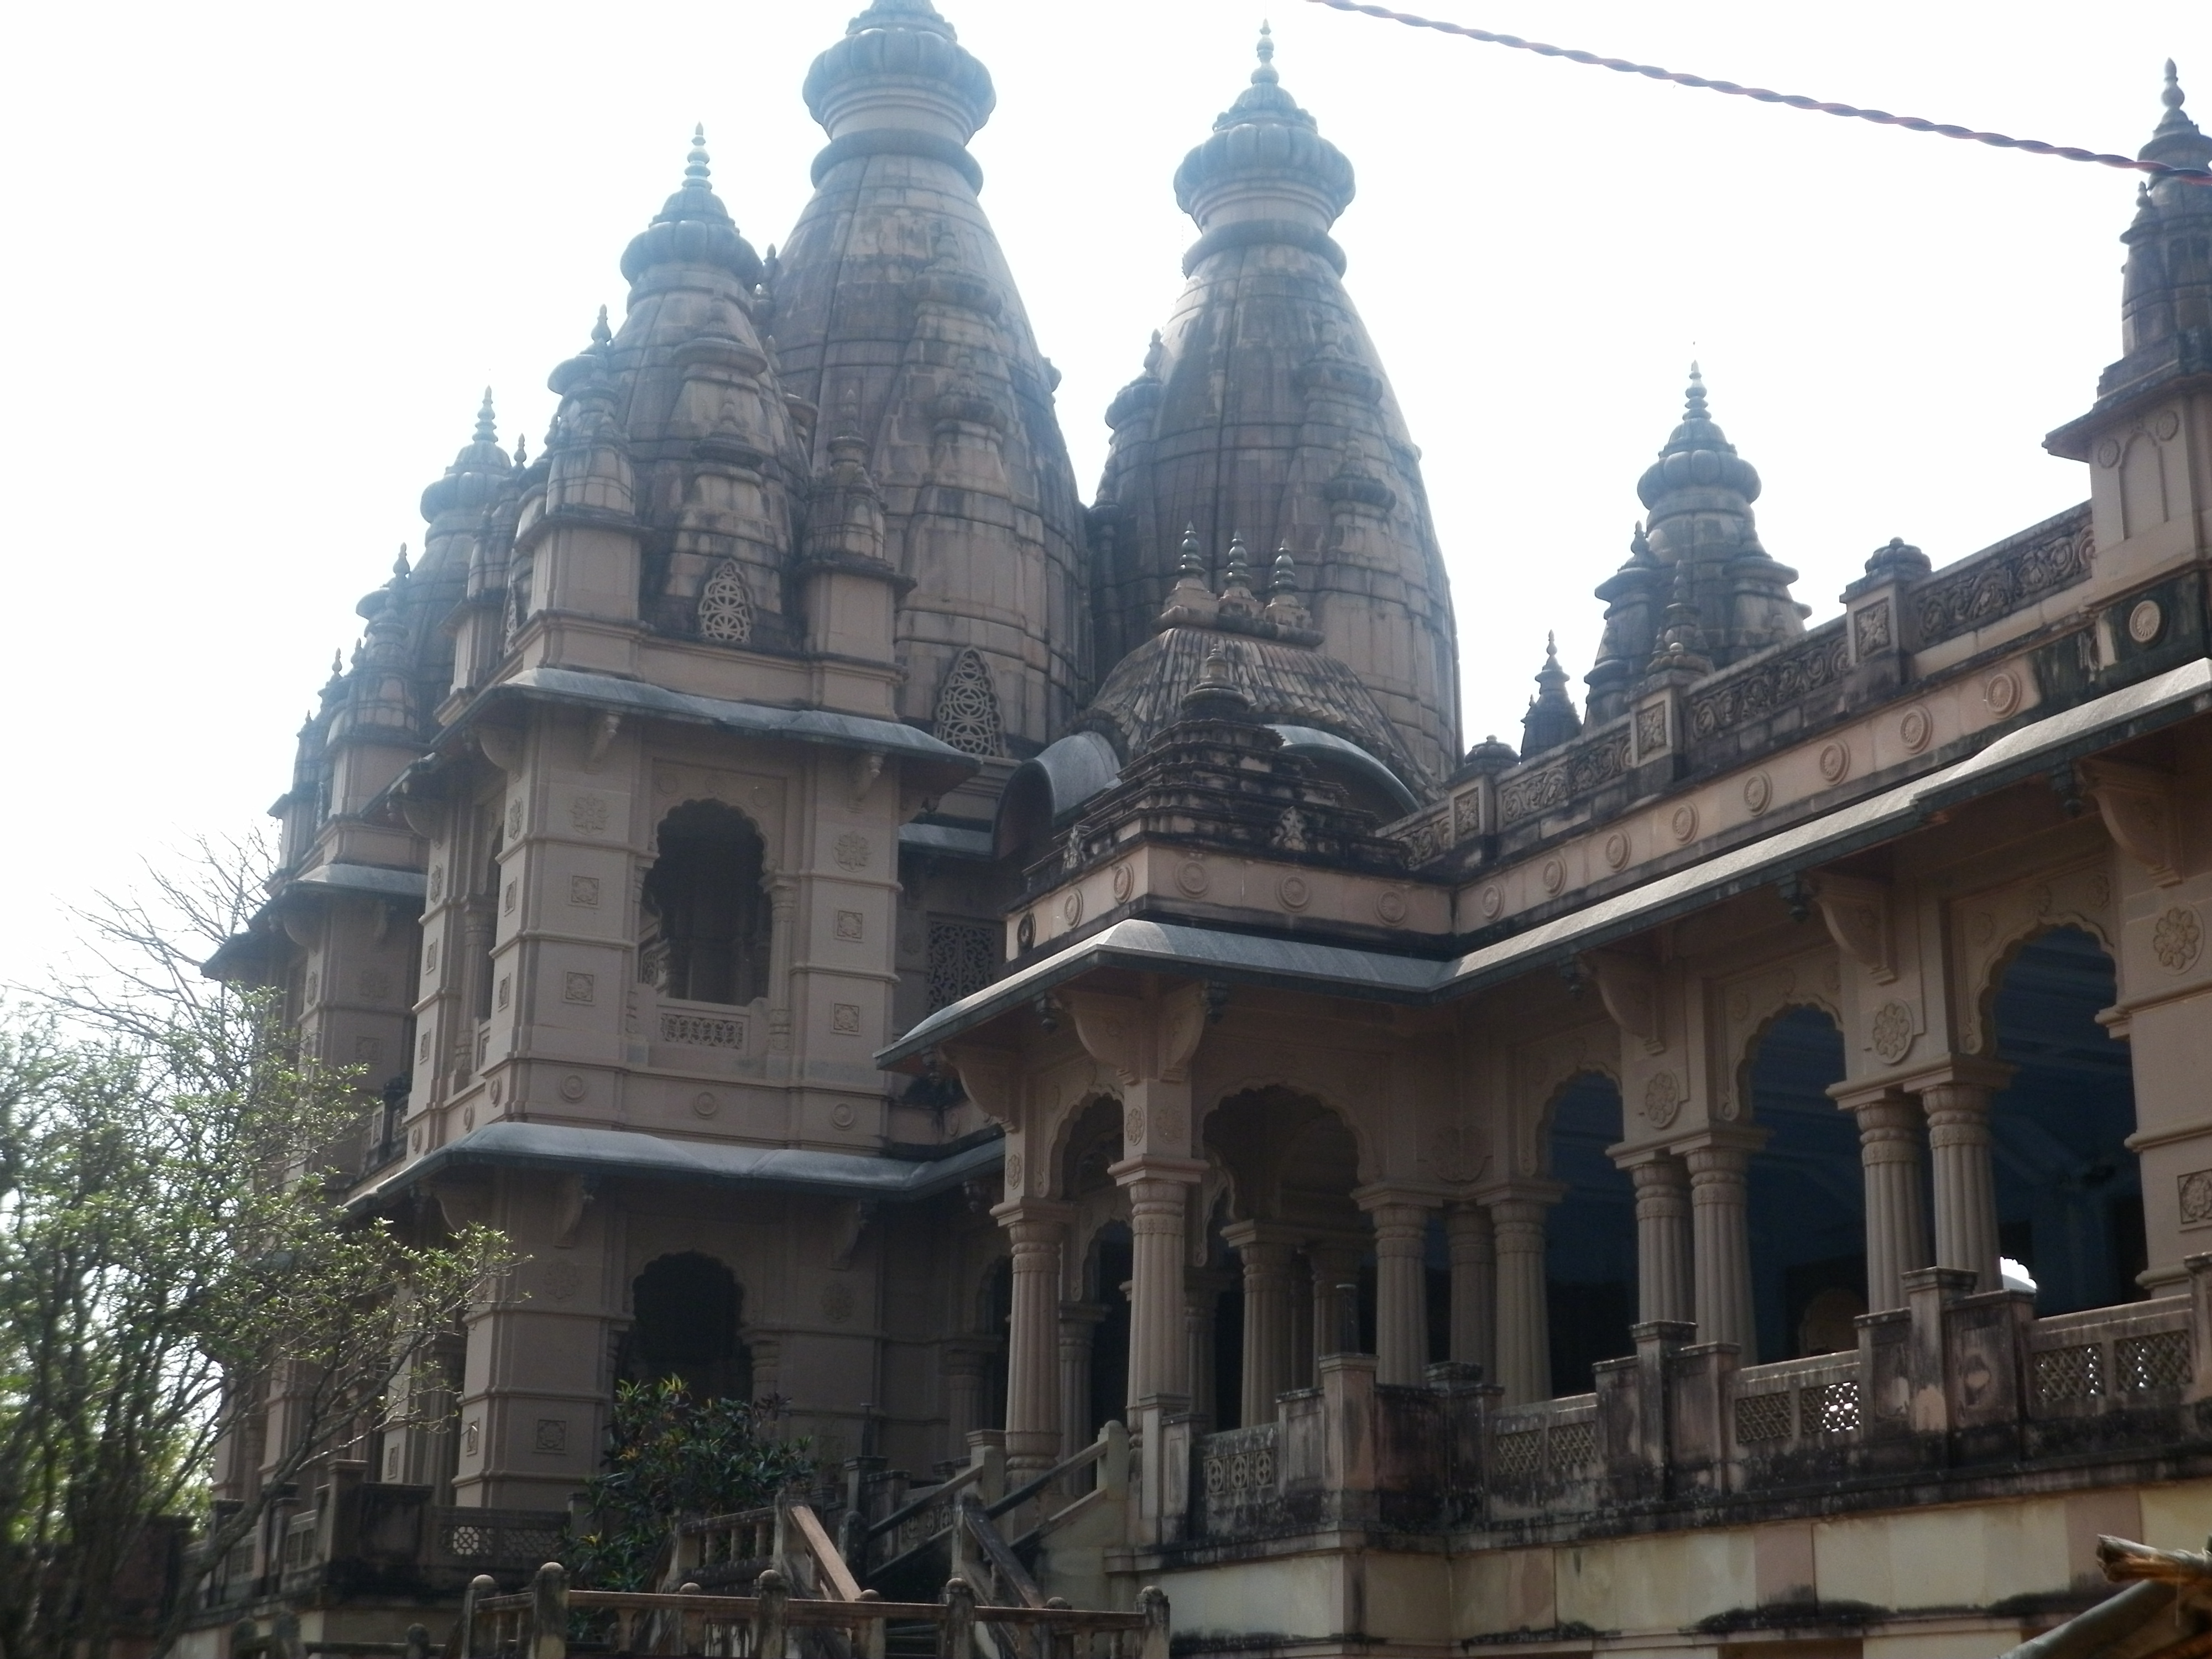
1284 579
1694 398
695 175
521 459
1264 76
2172 96
399 564
338 662
1193 563
601 334
1240 563
1639 546
487 429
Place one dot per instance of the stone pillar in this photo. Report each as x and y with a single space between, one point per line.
964 1363
783 913
1303 1341
1401 1291
1078 1324
1957 1108
1265 1252
1524 1338
1037 1229
1159 1356
1719 1161
1663 1276
1890 1133
1201 1292
1335 1263
1473 1245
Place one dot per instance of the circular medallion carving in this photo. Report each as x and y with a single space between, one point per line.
2001 693
1835 762
705 1105
469 1116
1492 902
2177 939
1293 892
836 1302
572 1087
851 850
1025 931
1758 793
1013 1172
2145 622
415 1139
1914 728
1891 1032
1192 879
665 782
842 1115
1167 1123
1662 1099
1390 905
2108 452
2168 424
1685 822
1071 908
1616 849
1132 1124
1124 882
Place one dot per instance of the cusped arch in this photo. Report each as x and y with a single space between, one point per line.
1268 1133
1547 1115
1751 1006
711 798
1989 930
1747 1049
1540 1072
1985 1025
1089 1123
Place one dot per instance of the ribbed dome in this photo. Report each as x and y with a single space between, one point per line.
1264 144
1697 455
693 228
895 46
476 472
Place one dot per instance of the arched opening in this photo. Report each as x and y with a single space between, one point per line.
705 924
1089 1150
686 1310
1293 1165
2068 1190
1806 1204
1589 1237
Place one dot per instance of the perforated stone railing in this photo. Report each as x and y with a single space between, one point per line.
1543 1448
2109 1358
492 1540
1797 1403
1239 1478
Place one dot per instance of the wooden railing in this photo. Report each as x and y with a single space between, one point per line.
538 1623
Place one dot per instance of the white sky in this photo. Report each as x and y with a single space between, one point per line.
262 260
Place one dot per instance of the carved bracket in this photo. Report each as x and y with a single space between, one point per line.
991 1076
2136 803
501 746
1857 911
1629 987
571 1201
846 1226
867 767
599 737
1142 1038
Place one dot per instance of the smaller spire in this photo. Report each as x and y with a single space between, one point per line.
338 662
1236 597
1217 696
1694 398
521 459
1264 76
1284 579
1682 642
1639 548
487 427
696 174
1550 719
1191 603
400 565
1193 563
601 334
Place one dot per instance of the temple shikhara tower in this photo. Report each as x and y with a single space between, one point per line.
1046 994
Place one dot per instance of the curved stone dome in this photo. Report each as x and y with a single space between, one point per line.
1288 685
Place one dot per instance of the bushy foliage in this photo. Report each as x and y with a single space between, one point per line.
669 1455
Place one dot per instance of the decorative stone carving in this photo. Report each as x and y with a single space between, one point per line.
2196 1198
845 1019
726 607
1891 1031
1873 628
851 851
962 957
1914 728
2137 803
1990 925
1856 912
1758 793
584 892
1662 1099
1629 987
2177 939
1770 682
966 714
1588 764
2055 554
850 926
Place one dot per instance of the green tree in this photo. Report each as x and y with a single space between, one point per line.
173 1245
669 1455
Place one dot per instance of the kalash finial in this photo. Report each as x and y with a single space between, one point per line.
695 175
521 460
1284 579
1193 563
1694 398
399 564
601 334
487 426
1264 76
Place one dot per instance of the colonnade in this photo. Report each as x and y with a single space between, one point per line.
1693 1257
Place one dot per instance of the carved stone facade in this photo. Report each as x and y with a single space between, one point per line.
1013 984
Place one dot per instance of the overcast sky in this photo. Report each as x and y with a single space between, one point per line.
261 260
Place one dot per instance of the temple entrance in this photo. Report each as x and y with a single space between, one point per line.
1589 1237
1806 1204
2068 1190
687 1309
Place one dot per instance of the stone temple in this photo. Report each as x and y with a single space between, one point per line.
1016 981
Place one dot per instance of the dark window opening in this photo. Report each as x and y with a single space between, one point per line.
705 920
686 1311
1806 1203
1589 1237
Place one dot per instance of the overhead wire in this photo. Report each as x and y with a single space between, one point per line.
1766 95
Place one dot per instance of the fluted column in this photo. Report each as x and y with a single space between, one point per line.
1159 1356
1958 1109
1079 1326
1524 1338
1201 1296
1472 1248
1036 1230
1720 1238
964 1396
1265 1252
1335 1265
1664 1277
1402 1294
1890 1138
